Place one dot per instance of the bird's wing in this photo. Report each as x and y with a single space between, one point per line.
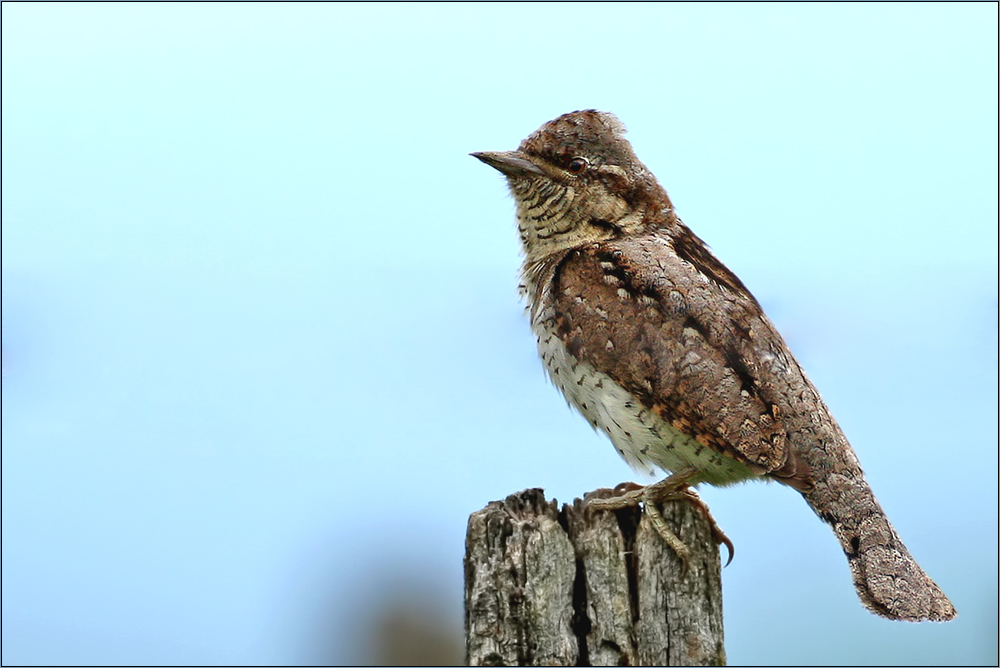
670 323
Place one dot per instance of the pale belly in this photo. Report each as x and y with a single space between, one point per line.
644 439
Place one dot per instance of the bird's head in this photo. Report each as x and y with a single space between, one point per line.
576 180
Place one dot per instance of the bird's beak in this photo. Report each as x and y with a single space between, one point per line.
511 163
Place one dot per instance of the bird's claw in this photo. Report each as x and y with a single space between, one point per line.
675 487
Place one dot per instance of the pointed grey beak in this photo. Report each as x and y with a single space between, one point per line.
511 163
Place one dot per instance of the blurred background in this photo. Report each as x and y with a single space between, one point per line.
262 347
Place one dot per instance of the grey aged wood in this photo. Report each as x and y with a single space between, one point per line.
550 586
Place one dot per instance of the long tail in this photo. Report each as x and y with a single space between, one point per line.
889 581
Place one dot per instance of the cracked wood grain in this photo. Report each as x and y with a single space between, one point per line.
561 586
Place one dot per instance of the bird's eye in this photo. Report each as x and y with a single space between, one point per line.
577 165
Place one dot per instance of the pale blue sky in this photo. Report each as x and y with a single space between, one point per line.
261 337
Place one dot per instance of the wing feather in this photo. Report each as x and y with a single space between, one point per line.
686 338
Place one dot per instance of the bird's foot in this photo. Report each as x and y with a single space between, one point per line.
718 535
672 488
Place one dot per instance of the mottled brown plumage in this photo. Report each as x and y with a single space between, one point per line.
662 347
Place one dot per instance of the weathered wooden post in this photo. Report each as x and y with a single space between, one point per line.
566 587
